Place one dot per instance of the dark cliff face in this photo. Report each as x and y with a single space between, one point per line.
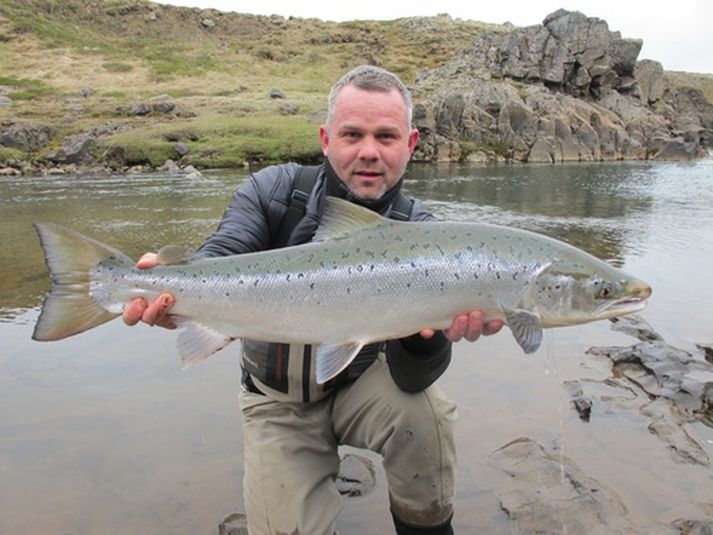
566 90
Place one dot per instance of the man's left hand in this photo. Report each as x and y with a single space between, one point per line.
469 325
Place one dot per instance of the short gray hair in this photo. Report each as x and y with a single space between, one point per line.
370 78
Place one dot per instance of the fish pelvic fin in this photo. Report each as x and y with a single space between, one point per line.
526 327
69 309
332 359
197 342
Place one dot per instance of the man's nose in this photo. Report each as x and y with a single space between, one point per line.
369 149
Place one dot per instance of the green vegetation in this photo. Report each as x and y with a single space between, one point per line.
8 154
26 89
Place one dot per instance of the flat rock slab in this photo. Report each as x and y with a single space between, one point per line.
549 493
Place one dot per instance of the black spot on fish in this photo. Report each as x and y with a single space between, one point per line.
397 259
360 268
300 275
311 286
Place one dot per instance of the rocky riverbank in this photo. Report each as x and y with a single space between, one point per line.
252 90
566 90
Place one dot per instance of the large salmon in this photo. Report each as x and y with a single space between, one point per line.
362 279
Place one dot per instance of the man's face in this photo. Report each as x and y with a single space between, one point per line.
367 141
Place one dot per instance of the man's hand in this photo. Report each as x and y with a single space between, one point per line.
469 325
156 313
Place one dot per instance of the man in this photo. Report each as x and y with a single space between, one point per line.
385 400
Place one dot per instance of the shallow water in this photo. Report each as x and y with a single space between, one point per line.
104 433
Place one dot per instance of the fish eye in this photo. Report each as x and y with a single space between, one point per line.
604 290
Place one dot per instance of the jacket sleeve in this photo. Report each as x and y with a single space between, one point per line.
253 216
415 362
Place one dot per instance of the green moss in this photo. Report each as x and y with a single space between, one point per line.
117 66
8 154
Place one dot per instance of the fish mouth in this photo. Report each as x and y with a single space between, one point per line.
621 307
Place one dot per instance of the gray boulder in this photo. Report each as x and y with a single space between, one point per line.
650 80
26 136
5 101
75 149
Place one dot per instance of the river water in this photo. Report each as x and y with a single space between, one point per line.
104 433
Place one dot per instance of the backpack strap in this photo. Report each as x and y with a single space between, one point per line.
305 179
402 208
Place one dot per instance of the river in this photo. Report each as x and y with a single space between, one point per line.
105 433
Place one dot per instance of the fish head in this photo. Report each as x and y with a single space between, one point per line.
574 292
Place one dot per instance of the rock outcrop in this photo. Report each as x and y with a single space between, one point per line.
566 90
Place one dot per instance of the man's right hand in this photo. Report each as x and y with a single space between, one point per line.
154 313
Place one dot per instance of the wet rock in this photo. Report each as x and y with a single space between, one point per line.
170 166
694 527
582 404
234 524
679 385
549 493
356 475
26 136
275 93
636 326
669 427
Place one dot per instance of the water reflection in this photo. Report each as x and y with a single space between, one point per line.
583 205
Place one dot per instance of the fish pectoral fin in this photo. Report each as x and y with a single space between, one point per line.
526 328
198 342
332 359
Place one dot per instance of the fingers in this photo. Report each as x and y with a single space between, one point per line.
147 260
471 325
132 313
157 310
156 313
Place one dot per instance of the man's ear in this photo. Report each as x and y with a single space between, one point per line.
413 138
324 138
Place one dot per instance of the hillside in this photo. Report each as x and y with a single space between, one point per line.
130 82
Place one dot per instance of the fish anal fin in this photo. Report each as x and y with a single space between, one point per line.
526 327
332 359
197 342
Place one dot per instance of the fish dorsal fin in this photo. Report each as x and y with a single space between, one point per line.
197 342
169 255
526 327
341 218
332 359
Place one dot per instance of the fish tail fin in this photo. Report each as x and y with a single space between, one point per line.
69 308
